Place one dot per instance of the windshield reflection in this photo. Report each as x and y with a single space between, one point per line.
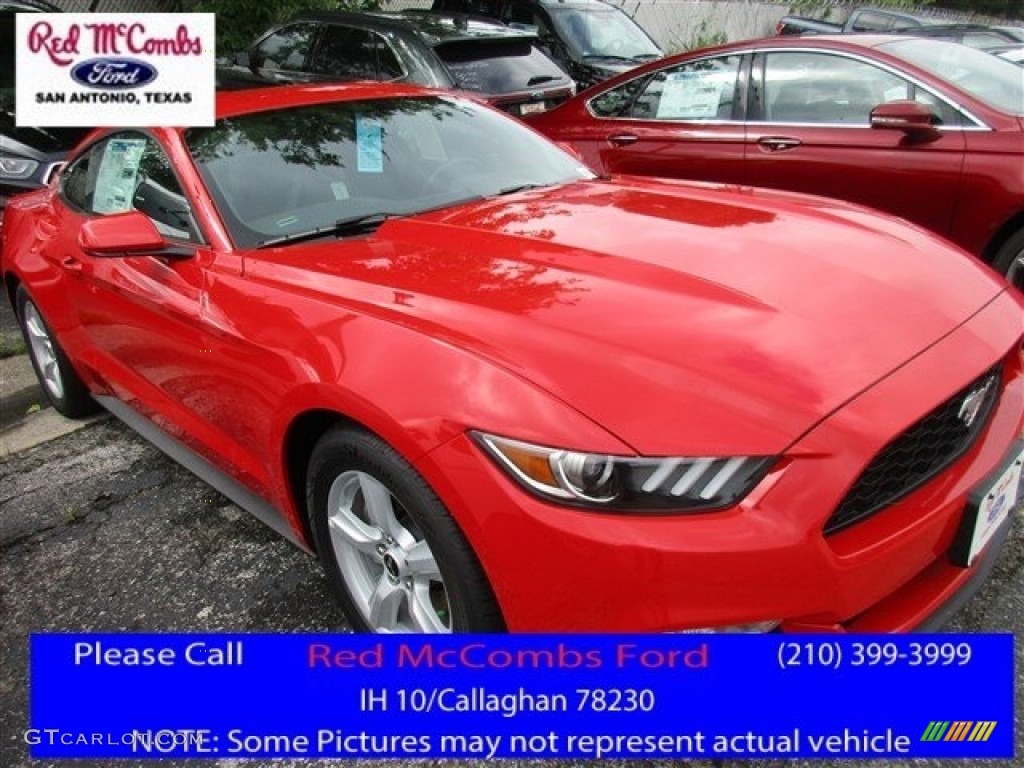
280 173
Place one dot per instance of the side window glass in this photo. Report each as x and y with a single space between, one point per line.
699 90
78 180
130 171
285 49
944 113
827 89
617 101
388 66
346 52
159 196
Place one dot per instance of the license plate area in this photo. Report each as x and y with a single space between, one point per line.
532 108
988 506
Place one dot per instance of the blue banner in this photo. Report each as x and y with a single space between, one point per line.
521 696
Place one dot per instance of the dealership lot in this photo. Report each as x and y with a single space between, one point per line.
100 532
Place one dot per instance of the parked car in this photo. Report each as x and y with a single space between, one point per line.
924 129
500 64
1017 32
1013 53
590 39
493 391
860 20
975 35
28 156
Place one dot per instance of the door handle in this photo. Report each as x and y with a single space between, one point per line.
72 265
778 143
622 139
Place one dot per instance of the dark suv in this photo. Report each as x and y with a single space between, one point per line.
589 39
500 64
28 156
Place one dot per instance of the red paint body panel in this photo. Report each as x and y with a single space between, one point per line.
967 185
620 317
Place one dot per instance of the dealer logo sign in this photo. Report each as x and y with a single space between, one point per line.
112 69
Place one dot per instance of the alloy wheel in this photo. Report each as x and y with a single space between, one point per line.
385 561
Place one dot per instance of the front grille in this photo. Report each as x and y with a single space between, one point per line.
921 452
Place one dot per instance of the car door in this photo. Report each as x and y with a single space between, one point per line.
809 131
145 322
683 121
279 57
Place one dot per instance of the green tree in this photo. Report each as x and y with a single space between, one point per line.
240 21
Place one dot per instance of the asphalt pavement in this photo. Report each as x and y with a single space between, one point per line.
100 532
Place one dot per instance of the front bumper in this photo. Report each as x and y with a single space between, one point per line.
558 569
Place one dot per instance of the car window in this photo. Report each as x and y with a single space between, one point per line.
617 101
697 90
836 90
602 32
498 66
130 171
287 48
354 53
331 162
868 21
988 78
823 88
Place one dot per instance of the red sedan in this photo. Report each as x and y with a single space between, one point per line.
492 391
924 129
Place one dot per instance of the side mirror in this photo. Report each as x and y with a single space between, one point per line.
120 234
911 117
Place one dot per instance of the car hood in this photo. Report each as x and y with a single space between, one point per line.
683 318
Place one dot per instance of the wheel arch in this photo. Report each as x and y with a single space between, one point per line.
1010 227
11 283
300 438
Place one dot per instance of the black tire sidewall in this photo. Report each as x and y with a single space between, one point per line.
471 601
1009 250
76 400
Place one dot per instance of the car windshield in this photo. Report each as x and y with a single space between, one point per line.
990 79
292 171
498 66
600 34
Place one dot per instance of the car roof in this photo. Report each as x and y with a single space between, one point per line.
24 6
253 100
434 28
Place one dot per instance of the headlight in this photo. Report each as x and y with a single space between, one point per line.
17 167
680 484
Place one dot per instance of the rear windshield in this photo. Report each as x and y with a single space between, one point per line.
499 66
987 78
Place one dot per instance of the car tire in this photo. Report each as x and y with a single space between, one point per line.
393 554
62 386
1009 260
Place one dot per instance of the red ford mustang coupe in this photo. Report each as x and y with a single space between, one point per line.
928 130
493 391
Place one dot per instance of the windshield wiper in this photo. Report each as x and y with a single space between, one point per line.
356 225
520 188
645 57
538 79
606 57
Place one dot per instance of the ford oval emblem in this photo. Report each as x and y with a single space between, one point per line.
113 74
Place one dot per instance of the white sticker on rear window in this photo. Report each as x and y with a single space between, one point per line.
369 145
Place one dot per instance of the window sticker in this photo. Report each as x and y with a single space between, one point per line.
340 190
369 145
690 95
118 175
